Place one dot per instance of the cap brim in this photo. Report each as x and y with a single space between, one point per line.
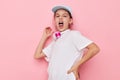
54 9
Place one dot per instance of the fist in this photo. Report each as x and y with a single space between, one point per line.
47 32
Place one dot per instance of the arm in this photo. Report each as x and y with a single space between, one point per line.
93 49
46 34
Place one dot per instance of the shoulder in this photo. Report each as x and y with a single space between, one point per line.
75 33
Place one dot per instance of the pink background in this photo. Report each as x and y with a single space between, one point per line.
21 25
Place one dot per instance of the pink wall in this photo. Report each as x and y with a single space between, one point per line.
21 24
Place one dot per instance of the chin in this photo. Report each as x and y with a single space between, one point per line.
61 30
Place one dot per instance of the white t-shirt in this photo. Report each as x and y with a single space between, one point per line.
62 53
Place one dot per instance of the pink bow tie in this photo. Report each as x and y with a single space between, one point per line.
57 34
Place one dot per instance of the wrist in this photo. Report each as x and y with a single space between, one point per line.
44 37
77 66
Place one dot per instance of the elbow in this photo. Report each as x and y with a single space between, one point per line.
96 50
36 57
39 55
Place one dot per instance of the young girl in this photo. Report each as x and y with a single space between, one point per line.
65 52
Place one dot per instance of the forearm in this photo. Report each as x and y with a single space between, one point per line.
86 57
92 51
46 34
39 48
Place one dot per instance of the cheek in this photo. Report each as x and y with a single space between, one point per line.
67 22
56 21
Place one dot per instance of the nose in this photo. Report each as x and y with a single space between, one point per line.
60 19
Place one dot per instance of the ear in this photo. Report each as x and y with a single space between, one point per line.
71 21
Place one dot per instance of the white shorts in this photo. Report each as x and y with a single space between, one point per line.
69 76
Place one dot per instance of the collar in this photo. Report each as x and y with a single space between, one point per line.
63 32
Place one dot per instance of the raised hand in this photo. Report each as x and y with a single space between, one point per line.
47 32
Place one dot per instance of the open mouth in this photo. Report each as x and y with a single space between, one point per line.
61 23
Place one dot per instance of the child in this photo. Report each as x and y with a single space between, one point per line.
65 52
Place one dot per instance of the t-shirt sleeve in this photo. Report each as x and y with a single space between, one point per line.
80 41
47 51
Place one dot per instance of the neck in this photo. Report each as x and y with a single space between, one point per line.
64 30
